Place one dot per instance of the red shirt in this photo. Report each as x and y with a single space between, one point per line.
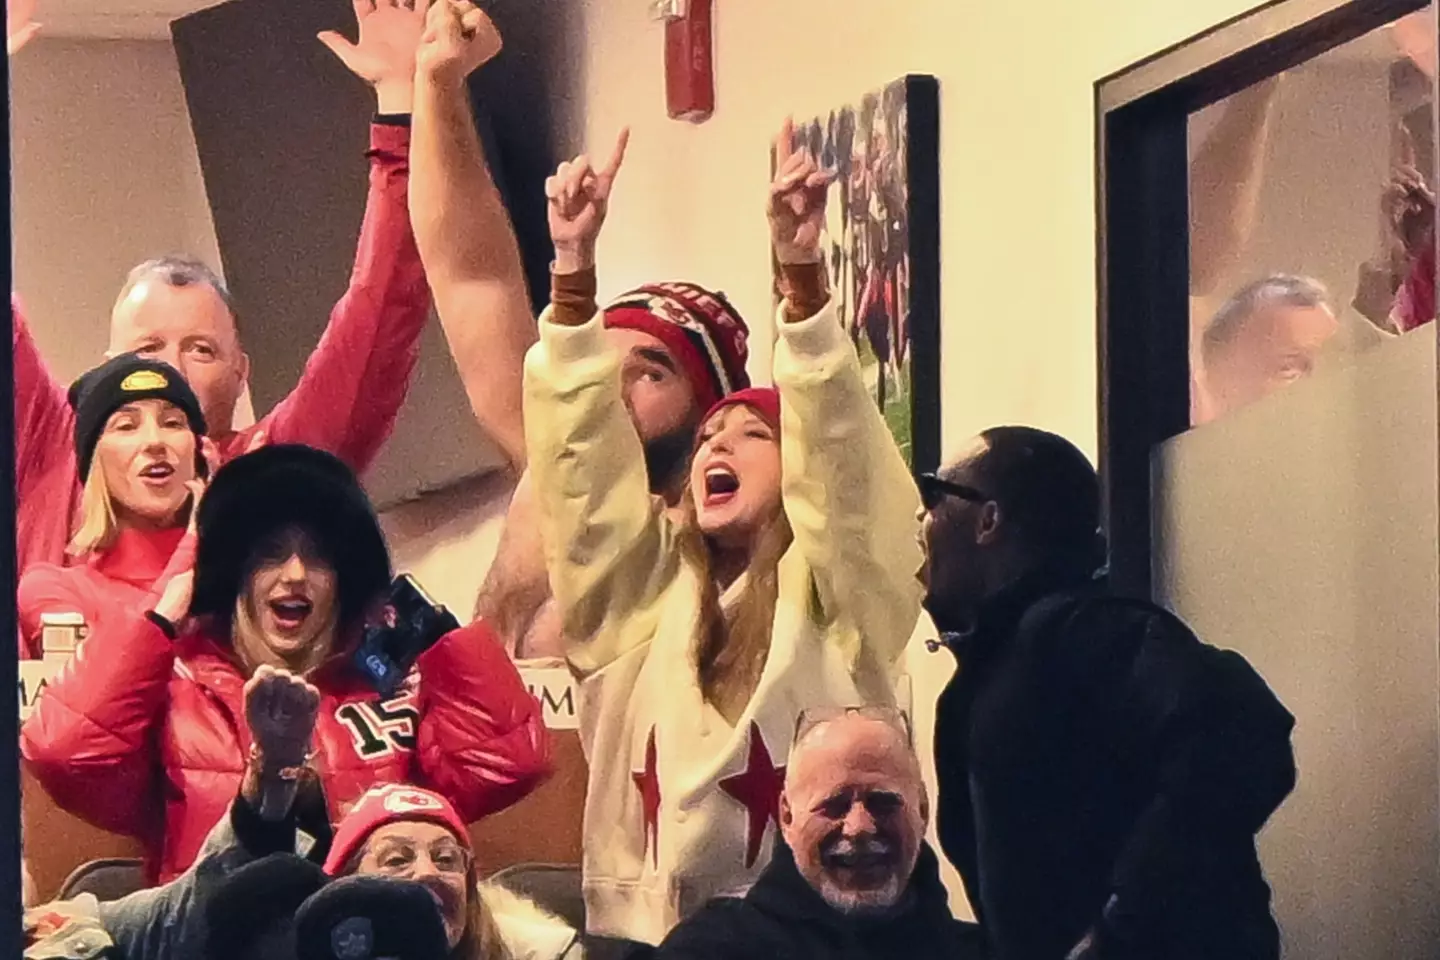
110 588
347 399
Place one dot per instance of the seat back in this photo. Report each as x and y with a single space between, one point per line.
108 879
553 887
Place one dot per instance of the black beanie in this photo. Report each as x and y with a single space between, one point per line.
250 914
256 495
121 380
361 918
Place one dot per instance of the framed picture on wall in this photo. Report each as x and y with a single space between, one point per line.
882 247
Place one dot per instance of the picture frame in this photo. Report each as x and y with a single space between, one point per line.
882 247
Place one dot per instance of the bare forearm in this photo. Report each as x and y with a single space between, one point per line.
461 224
1225 178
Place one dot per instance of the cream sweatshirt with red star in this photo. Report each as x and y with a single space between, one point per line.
681 805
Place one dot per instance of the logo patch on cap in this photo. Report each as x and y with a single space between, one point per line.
144 380
410 801
353 939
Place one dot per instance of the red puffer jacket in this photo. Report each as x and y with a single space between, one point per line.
146 736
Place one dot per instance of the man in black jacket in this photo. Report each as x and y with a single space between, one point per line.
851 877
1102 773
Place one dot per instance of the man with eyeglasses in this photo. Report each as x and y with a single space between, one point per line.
851 875
1102 773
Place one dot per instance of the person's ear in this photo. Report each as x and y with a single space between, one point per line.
787 814
924 806
987 524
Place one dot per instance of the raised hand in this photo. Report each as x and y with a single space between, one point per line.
797 201
579 198
384 55
20 25
280 709
458 39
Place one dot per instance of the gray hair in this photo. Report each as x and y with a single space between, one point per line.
1278 289
176 271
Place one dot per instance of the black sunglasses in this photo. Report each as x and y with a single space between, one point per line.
934 488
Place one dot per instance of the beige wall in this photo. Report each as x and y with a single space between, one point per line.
105 175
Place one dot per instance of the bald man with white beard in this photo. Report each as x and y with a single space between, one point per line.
851 875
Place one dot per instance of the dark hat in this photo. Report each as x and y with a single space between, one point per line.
360 918
251 912
121 380
256 495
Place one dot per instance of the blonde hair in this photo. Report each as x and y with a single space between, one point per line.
98 524
731 646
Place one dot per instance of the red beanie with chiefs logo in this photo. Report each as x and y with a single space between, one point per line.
391 803
699 328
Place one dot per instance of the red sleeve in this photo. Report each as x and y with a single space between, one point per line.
44 445
1415 301
355 382
46 588
482 739
90 741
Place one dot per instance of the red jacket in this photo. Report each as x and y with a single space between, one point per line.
347 399
146 736
109 589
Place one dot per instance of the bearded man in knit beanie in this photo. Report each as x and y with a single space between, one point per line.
685 346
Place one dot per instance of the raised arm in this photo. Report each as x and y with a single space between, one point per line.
44 450
482 740
167 921
463 230
608 546
1225 180
848 494
356 380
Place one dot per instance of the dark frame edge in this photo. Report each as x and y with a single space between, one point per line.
922 104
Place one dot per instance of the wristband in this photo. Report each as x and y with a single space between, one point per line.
166 625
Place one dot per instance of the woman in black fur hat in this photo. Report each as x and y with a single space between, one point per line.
140 736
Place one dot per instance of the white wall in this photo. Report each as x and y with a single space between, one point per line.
105 176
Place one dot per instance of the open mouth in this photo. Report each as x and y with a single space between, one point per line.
290 612
157 472
721 485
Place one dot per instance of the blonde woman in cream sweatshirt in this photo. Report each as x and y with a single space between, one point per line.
783 580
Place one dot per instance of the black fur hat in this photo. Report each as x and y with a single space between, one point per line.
251 912
256 495
361 918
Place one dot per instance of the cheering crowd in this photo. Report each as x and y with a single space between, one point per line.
732 573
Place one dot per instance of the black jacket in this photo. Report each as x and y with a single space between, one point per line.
783 918
1101 768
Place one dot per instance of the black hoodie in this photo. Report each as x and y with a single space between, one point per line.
783 918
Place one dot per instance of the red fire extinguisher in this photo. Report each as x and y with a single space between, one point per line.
689 60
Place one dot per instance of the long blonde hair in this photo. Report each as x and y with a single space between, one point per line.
98 524
731 645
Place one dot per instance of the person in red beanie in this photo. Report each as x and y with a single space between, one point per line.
685 345
784 579
404 832
138 735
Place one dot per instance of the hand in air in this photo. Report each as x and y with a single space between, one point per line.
280 709
1409 206
384 54
579 198
20 25
458 39
797 201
